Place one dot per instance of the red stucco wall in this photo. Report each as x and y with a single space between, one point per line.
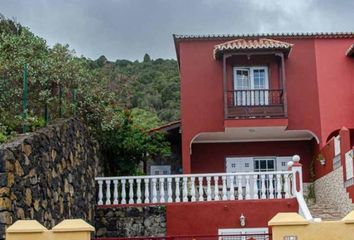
206 218
319 84
210 157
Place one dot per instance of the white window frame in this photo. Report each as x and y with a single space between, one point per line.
238 231
252 87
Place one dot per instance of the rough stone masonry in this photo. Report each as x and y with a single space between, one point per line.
49 175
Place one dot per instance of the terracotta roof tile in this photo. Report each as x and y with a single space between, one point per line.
350 51
251 44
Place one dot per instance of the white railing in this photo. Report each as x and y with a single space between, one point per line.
195 187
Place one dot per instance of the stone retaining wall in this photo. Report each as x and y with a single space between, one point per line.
330 189
130 221
49 175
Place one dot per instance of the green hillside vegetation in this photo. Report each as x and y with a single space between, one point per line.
120 101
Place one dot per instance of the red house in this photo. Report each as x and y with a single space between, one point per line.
249 103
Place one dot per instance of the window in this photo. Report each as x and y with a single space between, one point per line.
251 86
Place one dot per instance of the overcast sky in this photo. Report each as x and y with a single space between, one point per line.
126 29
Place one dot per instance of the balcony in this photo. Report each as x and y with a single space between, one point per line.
255 103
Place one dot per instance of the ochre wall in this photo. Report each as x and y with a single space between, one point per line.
206 218
292 224
319 83
210 157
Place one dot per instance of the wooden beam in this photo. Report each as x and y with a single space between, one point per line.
284 84
225 85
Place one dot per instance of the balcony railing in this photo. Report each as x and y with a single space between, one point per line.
195 187
255 103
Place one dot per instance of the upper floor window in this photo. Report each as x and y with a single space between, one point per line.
251 86
246 78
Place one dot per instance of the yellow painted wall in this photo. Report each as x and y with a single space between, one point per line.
76 229
292 224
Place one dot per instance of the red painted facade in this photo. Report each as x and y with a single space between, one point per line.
208 217
319 86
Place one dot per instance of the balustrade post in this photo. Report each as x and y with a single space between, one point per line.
263 188
178 192
115 192
224 193
216 188
232 188
154 191
255 186
193 199
239 179
296 168
138 190
108 192
248 192
131 191
100 192
162 190
185 189
147 191
124 201
200 193
278 186
169 189
208 188
271 188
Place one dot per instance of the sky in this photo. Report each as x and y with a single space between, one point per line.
127 29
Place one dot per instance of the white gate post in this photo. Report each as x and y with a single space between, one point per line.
296 168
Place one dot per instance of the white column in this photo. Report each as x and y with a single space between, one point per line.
255 186
296 169
162 190
115 191
178 193
248 192
193 189
216 188
147 191
100 192
169 189
286 185
263 188
200 193
232 188
279 186
124 201
224 191
108 192
271 187
208 188
185 189
239 180
154 191
138 190
131 191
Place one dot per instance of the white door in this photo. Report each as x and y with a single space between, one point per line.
243 231
239 164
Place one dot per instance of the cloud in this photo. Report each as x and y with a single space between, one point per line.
130 28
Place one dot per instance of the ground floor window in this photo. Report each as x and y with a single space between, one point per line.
243 234
256 164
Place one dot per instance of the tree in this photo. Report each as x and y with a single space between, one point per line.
147 58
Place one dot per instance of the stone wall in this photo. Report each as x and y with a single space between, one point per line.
131 221
49 175
329 189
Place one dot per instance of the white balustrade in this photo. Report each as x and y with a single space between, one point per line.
194 187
